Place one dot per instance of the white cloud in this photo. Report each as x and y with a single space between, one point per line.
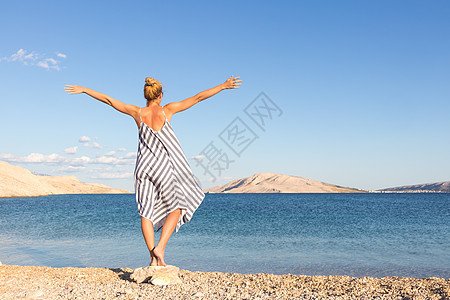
71 150
211 179
21 56
51 159
34 59
70 169
39 158
93 145
109 160
106 160
81 160
48 63
198 158
122 149
56 159
108 175
130 155
103 169
62 55
84 139
33 158
6 156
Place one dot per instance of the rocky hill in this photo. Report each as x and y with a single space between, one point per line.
19 182
278 183
436 187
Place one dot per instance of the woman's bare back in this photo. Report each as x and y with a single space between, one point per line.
153 116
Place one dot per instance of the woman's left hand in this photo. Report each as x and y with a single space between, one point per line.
74 89
232 83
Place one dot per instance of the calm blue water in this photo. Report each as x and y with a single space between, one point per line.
311 234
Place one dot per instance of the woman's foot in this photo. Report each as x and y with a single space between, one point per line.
158 258
154 261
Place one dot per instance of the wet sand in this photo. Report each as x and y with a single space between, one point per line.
103 283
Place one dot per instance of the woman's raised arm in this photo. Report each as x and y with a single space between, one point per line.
175 107
128 109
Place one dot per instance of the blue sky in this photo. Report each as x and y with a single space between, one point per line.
362 87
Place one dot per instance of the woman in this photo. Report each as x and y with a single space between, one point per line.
167 193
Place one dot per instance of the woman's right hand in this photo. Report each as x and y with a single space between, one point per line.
232 83
74 89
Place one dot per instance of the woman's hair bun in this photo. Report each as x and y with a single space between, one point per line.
150 81
152 88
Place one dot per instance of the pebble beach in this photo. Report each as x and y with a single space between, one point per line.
30 282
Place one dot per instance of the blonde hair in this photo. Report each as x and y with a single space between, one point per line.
152 89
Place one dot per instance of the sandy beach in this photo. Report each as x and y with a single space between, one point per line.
31 282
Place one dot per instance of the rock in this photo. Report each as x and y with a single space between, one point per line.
35 294
156 275
165 280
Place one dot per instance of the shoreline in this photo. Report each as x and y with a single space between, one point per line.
68 194
94 283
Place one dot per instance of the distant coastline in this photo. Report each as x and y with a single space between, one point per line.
280 183
435 187
408 192
19 182
16 181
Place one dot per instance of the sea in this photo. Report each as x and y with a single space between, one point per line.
363 234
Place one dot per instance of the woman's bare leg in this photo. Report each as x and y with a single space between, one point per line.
149 237
167 230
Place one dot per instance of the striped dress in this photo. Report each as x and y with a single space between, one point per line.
163 177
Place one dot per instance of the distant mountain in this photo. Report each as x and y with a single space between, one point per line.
278 183
440 187
19 182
